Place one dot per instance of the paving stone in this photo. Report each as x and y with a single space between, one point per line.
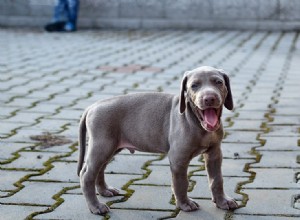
277 202
138 214
23 117
128 164
263 217
201 189
6 111
148 197
283 120
288 102
251 115
31 160
74 207
287 111
62 100
207 211
9 129
196 161
67 114
277 159
9 178
50 124
42 108
237 150
273 179
12 212
56 174
256 106
66 148
23 102
8 148
232 168
37 193
281 130
279 143
160 175
247 125
241 136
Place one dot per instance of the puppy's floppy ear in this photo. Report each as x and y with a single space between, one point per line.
228 100
182 105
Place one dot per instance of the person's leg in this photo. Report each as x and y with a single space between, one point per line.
59 16
60 10
72 14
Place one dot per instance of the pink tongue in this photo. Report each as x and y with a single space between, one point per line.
210 117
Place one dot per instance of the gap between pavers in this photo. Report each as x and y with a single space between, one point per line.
37 193
9 178
8 148
148 197
30 160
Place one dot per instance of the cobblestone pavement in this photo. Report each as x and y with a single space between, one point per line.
46 81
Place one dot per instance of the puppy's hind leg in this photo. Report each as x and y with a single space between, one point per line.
97 157
102 188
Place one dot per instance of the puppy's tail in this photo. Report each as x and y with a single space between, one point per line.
82 141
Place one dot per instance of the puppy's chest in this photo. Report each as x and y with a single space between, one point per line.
200 150
203 144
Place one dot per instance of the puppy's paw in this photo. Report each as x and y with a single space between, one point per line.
188 206
226 203
100 209
109 192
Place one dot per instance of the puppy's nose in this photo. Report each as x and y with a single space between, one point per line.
209 100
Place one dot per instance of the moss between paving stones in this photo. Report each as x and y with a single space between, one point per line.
48 166
252 173
129 191
16 155
57 198
144 176
229 215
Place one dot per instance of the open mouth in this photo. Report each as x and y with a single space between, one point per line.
209 118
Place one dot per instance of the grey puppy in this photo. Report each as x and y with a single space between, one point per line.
180 126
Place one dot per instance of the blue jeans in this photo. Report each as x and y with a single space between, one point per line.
66 10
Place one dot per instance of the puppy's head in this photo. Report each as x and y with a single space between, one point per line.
207 89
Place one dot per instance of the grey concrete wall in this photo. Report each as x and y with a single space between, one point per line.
201 14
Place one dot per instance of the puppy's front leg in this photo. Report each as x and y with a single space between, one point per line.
180 186
213 163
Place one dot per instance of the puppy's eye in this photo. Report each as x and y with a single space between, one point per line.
194 86
219 82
